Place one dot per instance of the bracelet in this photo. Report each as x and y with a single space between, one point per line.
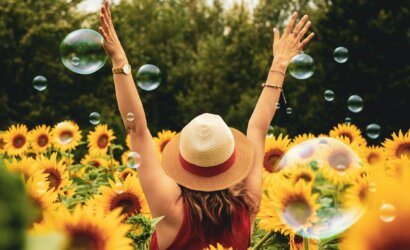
275 86
279 71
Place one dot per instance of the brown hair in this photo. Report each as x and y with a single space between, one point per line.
212 213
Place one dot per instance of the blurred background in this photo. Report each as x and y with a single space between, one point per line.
213 56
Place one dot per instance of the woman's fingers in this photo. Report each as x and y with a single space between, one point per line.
105 25
303 31
306 40
299 26
102 32
107 7
290 24
276 36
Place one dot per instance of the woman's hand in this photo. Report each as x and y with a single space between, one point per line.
290 44
111 43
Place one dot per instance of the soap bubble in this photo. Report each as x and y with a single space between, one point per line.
148 77
133 160
341 54
355 103
373 131
320 177
329 95
348 120
94 118
81 51
289 110
40 83
387 212
301 66
130 116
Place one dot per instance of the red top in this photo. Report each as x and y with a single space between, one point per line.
186 240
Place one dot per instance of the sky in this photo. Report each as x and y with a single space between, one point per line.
93 5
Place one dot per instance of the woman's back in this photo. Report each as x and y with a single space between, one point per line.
186 237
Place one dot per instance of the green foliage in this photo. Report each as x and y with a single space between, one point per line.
212 60
16 212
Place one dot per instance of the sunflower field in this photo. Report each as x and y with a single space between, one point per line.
53 197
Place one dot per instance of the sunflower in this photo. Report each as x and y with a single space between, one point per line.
86 228
128 141
40 138
99 140
26 166
395 167
218 247
357 195
301 138
16 140
301 173
127 195
398 146
373 155
350 131
387 224
2 143
275 148
40 195
163 138
57 172
288 208
94 160
296 242
66 135
125 173
341 165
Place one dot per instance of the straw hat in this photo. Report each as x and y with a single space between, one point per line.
207 155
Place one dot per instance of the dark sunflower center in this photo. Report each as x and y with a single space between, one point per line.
348 135
373 158
85 239
298 239
53 177
2 143
163 144
42 140
124 174
340 161
304 176
129 203
272 159
19 141
403 150
102 141
297 212
66 136
95 163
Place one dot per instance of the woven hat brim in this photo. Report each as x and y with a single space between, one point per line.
236 173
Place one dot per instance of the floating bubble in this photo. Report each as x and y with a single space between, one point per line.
289 110
301 66
94 118
348 120
118 188
387 212
81 51
372 187
341 55
40 83
130 117
324 168
329 95
270 131
355 103
64 138
373 131
133 160
277 105
148 77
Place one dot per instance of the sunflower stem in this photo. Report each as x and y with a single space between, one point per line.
111 162
263 240
306 243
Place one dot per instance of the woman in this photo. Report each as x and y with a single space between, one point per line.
209 187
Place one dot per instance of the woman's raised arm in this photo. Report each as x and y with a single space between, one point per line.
160 190
285 47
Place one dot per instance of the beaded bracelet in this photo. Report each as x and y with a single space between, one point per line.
275 86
